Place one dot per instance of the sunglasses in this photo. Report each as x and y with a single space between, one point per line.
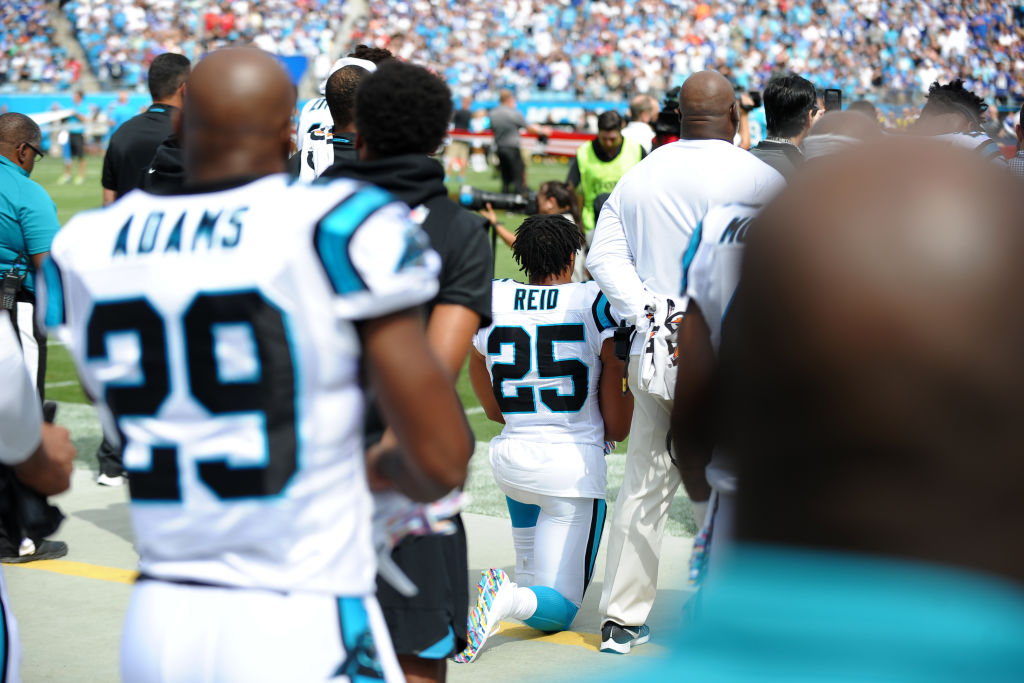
38 155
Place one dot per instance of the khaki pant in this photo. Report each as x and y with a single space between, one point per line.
641 510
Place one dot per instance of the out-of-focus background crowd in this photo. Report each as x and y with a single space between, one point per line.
561 58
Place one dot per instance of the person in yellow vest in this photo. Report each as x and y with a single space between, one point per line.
599 165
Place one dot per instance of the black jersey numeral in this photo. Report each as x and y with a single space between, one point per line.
269 393
524 399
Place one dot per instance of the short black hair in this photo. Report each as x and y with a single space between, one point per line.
403 109
166 74
377 55
954 97
545 245
17 128
787 99
609 120
340 93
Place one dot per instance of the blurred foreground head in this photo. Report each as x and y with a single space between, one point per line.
236 120
872 372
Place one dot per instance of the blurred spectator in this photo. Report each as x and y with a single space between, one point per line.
80 119
601 49
643 109
506 122
1017 163
28 55
864 107
121 37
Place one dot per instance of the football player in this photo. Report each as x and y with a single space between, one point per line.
224 332
546 369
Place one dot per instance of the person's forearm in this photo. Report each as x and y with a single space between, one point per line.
611 264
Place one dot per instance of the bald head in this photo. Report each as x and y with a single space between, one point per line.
708 107
872 360
236 120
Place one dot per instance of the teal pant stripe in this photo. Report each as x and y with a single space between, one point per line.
594 543
523 515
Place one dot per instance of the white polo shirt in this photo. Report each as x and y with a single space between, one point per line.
647 222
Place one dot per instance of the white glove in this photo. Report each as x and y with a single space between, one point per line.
395 517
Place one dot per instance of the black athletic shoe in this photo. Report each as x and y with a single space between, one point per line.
618 639
47 550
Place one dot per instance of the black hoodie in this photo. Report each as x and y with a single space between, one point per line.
458 235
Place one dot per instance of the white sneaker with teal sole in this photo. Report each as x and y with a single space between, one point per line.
493 604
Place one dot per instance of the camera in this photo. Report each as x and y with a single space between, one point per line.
755 98
474 199
666 126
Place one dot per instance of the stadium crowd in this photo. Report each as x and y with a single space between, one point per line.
615 48
121 37
28 53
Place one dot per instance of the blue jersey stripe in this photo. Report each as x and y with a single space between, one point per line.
603 313
691 251
335 231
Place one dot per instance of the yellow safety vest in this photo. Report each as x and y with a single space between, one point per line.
599 177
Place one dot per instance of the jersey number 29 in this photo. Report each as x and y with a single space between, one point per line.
269 393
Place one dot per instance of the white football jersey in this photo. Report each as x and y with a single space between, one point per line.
543 353
979 142
711 272
317 154
314 115
712 262
217 330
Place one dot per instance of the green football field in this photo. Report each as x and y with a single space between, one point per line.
62 384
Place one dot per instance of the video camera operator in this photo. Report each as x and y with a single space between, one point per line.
553 198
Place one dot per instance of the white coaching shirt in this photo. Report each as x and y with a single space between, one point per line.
217 330
647 221
543 353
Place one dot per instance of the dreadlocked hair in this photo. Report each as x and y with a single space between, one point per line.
545 245
953 95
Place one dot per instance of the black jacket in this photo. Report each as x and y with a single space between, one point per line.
782 156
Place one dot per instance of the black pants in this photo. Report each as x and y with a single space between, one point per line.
109 457
510 162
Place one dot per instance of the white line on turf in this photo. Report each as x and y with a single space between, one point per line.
58 385
475 410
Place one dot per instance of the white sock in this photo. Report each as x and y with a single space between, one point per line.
524 603
522 539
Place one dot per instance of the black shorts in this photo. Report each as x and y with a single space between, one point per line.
77 143
425 624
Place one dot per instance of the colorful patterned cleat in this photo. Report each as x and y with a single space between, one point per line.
493 604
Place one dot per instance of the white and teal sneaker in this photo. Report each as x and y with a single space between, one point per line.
618 639
493 604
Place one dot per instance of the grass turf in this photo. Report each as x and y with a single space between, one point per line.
62 384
